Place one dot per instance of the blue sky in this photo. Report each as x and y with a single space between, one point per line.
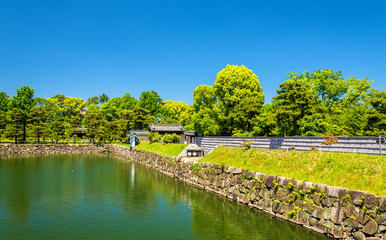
86 48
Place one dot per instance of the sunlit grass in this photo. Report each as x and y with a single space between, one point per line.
171 149
349 170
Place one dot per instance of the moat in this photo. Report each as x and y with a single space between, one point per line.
99 196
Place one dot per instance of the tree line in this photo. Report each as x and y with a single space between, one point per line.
307 104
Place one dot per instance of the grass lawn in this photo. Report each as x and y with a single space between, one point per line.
171 149
349 170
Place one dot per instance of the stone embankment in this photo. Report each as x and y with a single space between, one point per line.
330 210
50 149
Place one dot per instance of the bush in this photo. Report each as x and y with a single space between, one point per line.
176 138
154 137
167 138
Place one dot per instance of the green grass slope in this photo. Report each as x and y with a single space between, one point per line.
349 170
171 149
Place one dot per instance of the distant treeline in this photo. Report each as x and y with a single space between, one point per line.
308 104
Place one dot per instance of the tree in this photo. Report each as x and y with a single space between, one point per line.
4 102
180 112
152 102
93 100
376 115
75 122
103 98
15 124
93 122
265 122
3 121
140 118
24 101
237 90
291 104
37 121
205 122
112 108
57 130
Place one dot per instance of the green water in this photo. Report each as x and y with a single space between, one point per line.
102 197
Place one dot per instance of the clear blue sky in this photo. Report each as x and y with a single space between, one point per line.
86 48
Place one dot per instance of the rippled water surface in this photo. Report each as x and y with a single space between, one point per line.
103 197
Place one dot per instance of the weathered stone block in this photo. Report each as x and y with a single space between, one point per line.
308 207
237 171
337 215
275 206
327 202
382 204
303 217
307 186
359 236
282 181
352 211
317 213
321 188
335 192
371 201
261 176
382 219
357 196
250 174
316 199
371 227
270 180
352 223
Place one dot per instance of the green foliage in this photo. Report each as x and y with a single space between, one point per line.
15 125
24 101
151 101
247 144
154 137
240 98
177 112
196 167
167 138
4 102
291 104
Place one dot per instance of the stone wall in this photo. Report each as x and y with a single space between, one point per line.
50 149
334 211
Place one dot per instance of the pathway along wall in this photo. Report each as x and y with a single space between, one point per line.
334 211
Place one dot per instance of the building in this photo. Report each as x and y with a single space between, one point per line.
187 137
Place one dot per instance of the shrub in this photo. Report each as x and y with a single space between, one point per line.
329 139
154 137
167 138
176 138
247 144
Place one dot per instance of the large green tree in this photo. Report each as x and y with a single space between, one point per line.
291 104
151 101
112 108
37 121
24 101
15 121
240 98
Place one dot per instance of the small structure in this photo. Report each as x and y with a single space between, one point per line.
187 137
142 134
80 131
134 140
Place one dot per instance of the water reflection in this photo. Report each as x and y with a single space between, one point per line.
97 196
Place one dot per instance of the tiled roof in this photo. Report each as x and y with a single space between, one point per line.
166 127
190 133
139 132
